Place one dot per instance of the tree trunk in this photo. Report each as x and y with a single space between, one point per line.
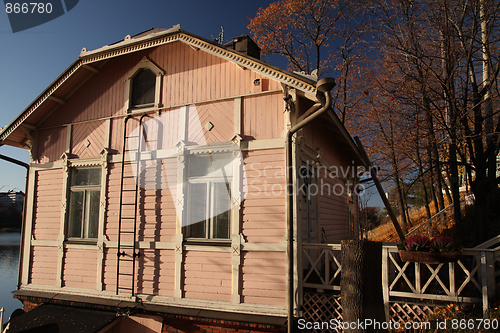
402 206
361 283
433 187
434 155
422 180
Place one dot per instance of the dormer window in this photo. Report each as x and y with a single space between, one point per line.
144 86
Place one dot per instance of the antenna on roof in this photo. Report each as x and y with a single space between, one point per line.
220 39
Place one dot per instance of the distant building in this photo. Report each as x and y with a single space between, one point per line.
12 198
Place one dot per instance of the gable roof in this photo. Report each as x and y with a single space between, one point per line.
89 63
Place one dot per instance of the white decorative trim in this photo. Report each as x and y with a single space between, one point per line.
178 238
145 63
264 247
28 228
43 242
263 144
90 162
102 214
236 236
59 164
64 199
238 103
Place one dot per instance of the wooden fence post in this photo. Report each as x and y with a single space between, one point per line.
484 284
385 282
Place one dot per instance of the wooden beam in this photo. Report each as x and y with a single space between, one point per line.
57 99
28 134
29 126
90 68
71 93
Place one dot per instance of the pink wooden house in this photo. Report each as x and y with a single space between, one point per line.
158 186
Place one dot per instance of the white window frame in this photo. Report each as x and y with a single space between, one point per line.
86 189
145 63
209 200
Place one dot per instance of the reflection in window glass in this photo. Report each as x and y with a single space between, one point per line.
209 196
75 214
210 165
222 205
93 213
84 203
196 215
86 176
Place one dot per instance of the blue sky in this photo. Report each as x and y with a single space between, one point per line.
32 59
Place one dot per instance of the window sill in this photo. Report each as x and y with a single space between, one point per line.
142 108
79 241
208 242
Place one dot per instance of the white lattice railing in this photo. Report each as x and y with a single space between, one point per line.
472 279
322 266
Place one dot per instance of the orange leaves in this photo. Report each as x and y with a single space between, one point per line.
298 29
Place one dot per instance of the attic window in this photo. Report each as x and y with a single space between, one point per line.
144 86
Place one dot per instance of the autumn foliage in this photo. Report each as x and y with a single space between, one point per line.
417 81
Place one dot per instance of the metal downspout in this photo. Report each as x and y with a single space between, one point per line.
26 165
323 86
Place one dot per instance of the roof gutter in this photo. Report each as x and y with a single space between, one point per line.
323 88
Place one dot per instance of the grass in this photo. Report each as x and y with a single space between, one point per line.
387 233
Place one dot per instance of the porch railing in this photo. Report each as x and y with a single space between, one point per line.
472 279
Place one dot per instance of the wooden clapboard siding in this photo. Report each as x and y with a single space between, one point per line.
263 210
109 270
87 139
333 206
80 268
220 114
156 210
195 76
319 137
263 116
264 278
116 135
190 77
207 275
155 272
47 207
43 265
103 95
51 144
159 129
170 122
